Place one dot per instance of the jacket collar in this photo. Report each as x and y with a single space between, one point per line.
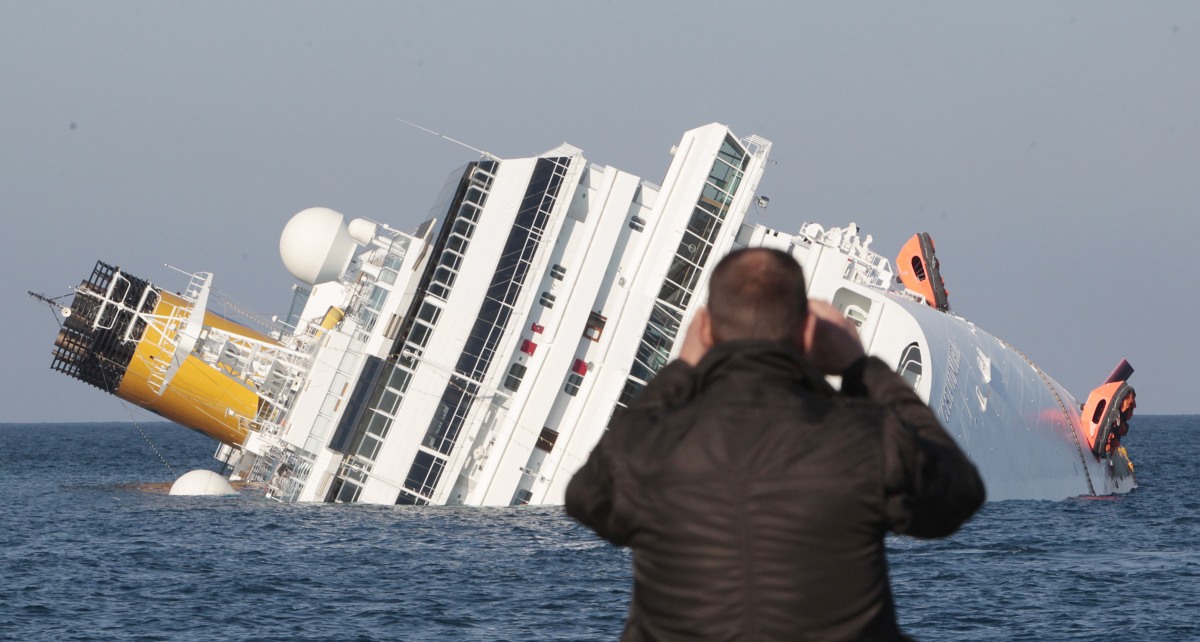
768 359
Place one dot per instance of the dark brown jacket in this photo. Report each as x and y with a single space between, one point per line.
756 499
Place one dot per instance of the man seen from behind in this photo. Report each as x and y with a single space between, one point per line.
755 497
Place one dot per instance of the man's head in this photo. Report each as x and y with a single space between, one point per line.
757 293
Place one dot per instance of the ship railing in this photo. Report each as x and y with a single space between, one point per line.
196 285
164 339
375 259
264 465
915 297
867 273
147 303
355 467
290 475
168 329
756 145
109 301
271 368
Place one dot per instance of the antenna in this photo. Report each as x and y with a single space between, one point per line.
456 142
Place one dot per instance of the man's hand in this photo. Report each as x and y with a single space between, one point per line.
698 338
830 340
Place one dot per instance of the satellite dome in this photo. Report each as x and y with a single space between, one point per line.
316 245
202 482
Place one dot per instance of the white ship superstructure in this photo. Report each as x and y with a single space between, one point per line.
477 359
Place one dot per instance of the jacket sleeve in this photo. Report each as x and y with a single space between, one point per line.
592 492
931 487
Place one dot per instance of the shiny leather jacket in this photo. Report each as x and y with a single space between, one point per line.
756 498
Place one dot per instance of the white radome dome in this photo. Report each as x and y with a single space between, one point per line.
316 246
202 482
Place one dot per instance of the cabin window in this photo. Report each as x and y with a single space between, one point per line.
574 380
469 212
389 400
456 243
419 335
856 314
399 380
595 326
378 425
546 440
854 306
369 448
910 364
476 195
349 493
515 374
429 313
463 227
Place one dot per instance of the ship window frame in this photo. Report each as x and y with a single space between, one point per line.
389 400
349 493
516 374
429 313
574 382
907 360
370 447
547 439
595 326
419 334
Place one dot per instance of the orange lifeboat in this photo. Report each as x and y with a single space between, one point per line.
919 271
1108 410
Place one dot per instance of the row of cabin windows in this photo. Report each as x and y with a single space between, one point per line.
593 330
379 420
460 393
456 244
558 273
690 258
392 393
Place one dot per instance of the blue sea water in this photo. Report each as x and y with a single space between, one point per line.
92 548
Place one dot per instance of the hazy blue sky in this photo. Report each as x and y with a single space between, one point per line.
1051 148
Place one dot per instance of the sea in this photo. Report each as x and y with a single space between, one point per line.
93 548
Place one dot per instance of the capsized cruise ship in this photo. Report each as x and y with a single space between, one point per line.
477 359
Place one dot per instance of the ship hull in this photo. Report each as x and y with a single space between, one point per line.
1019 426
477 359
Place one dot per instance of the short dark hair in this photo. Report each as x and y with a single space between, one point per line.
757 293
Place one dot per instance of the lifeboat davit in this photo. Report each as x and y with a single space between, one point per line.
919 271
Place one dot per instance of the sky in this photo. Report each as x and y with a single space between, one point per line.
1052 149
